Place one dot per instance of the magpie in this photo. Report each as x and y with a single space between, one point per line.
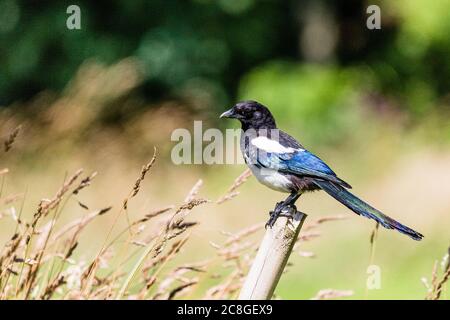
281 163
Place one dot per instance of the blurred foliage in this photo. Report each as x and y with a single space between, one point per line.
294 102
315 60
182 44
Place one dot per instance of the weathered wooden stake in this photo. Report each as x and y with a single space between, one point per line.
272 257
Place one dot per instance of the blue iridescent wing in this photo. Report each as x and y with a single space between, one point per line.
300 163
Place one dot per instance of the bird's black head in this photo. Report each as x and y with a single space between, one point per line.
252 115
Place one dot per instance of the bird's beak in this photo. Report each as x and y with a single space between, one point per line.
228 114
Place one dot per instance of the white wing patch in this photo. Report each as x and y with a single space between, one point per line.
272 146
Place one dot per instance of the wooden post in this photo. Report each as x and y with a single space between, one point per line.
272 257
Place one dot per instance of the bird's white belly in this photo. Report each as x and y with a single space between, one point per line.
272 179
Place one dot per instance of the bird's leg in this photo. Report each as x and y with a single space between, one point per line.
289 202
278 206
273 215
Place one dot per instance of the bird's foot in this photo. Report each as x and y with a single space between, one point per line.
271 220
291 209
278 207
274 214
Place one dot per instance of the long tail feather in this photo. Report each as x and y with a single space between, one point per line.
360 207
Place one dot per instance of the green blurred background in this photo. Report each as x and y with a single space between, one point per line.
375 104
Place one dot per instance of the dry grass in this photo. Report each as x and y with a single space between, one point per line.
142 261
40 260
436 285
232 191
11 138
332 294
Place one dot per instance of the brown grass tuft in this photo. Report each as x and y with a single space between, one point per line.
436 287
11 138
231 193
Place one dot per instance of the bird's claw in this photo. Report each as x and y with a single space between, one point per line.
277 211
293 209
272 219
